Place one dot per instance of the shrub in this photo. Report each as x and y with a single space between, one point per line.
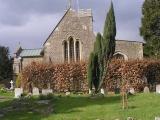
2 89
62 77
73 77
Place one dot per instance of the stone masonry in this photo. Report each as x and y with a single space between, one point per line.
77 25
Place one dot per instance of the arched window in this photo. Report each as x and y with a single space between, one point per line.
65 51
77 51
71 49
118 56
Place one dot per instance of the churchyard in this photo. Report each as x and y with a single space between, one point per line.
106 85
141 106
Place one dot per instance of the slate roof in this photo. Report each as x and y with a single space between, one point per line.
31 52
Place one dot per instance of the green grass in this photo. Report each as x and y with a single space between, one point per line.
141 107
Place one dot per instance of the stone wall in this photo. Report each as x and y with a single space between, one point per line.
20 64
130 49
27 61
72 25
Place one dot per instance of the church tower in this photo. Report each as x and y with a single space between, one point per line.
72 39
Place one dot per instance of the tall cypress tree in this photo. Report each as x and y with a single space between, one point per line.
94 67
5 63
104 49
109 33
90 72
150 29
108 42
98 60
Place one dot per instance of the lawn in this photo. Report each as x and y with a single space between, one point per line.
78 107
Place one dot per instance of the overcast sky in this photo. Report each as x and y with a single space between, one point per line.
31 21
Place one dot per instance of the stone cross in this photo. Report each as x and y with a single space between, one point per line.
11 82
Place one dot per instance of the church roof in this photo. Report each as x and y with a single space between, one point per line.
57 25
131 41
81 13
31 52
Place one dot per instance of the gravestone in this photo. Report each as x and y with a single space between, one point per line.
47 91
90 92
157 118
12 87
1 115
18 92
131 90
117 90
68 93
158 88
146 90
130 118
102 91
35 91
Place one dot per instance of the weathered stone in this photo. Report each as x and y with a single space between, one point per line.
102 91
146 90
18 92
132 91
47 91
158 88
1 115
35 91
68 93
157 118
130 118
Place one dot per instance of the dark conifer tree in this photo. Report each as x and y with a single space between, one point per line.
150 29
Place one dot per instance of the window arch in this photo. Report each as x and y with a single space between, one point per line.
120 55
65 51
77 51
71 49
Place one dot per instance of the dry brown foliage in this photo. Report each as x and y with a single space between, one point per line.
73 77
135 74
62 77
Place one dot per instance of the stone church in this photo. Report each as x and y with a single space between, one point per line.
72 40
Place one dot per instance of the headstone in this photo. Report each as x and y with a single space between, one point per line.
102 91
146 90
132 91
1 115
117 90
68 93
11 82
158 88
130 118
157 118
90 92
47 91
35 91
18 92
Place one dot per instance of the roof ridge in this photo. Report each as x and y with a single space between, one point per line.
32 49
130 41
57 25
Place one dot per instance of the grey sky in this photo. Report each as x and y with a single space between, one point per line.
31 21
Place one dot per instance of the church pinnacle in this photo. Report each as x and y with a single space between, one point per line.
69 3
